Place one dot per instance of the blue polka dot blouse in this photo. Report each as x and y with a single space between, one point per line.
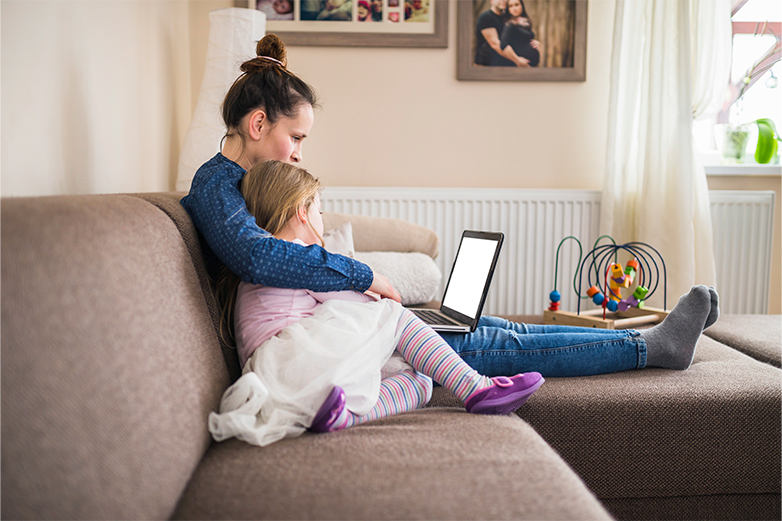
219 213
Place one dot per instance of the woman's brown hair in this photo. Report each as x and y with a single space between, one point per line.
266 84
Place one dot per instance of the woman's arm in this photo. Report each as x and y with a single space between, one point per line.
220 214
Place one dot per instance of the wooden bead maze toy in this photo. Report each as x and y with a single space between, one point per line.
610 279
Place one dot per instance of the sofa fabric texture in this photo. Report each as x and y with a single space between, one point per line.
428 464
755 335
675 434
111 363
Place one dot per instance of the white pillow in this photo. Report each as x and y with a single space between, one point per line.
340 240
414 275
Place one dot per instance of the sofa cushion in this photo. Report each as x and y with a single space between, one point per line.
385 234
426 464
110 363
756 335
642 440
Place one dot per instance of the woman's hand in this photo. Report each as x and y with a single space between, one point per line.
535 44
522 62
382 287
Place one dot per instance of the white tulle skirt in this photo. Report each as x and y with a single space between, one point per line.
288 377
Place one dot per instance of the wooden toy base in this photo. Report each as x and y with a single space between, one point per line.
631 318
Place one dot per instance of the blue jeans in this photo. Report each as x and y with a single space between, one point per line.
499 347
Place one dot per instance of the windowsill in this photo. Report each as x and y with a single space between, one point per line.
714 165
751 169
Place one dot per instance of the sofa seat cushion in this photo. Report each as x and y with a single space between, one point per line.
756 335
426 464
650 437
110 362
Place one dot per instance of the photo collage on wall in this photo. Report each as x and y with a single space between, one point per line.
382 11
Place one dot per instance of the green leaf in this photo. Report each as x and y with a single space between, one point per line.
767 141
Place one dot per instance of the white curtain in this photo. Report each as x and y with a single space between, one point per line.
95 95
666 68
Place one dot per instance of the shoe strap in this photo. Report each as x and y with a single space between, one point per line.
502 381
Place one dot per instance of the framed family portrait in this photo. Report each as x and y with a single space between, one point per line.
369 23
522 40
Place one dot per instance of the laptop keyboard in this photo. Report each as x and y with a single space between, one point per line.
433 317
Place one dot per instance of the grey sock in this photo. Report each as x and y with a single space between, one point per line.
714 314
671 344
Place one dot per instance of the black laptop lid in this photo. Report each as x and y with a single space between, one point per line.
470 278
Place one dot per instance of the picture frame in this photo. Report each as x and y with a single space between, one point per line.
574 53
433 32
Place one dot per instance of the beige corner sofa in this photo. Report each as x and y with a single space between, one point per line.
111 364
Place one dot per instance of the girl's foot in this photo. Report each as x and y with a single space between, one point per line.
326 418
504 395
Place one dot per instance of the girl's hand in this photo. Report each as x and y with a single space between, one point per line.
535 44
382 287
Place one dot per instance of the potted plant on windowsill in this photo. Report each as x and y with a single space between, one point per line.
736 136
768 141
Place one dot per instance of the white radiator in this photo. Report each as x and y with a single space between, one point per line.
534 222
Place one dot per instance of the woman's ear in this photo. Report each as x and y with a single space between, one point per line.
256 121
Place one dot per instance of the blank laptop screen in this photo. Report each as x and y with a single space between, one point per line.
472 267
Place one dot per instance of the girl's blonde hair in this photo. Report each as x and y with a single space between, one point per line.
273 191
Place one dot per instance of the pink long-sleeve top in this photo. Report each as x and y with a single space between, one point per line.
261 312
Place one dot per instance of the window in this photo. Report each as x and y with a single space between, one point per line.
757 27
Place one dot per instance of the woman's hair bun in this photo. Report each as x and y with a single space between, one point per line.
271 46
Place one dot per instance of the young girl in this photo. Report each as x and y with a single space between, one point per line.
314 360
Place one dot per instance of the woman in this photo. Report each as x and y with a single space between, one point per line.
268 112
517 38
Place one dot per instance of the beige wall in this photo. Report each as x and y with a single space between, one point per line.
399 117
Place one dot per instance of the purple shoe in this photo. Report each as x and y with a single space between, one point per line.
329 411
506 395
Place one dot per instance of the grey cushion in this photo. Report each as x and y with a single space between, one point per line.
759 336
110 363
426 464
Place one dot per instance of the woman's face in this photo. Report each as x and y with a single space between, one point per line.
282 141
515 8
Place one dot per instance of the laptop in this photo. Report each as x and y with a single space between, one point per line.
468 284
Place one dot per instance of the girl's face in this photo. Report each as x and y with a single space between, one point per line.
363 12
515 8
316 220
282 141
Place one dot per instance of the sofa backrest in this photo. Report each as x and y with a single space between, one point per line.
110 360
